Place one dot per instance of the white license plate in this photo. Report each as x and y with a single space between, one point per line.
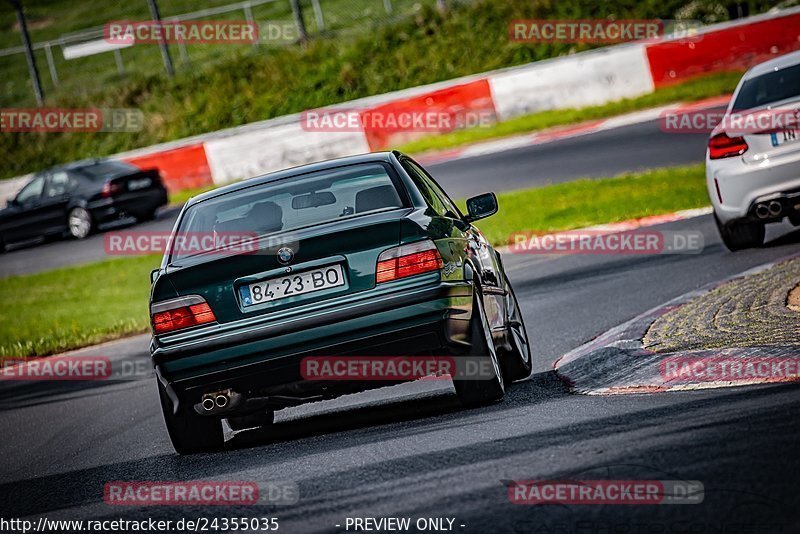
786 136
291 285
142 183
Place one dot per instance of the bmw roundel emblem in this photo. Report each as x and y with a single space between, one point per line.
285 255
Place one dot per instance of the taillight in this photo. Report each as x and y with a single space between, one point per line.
408 260
111 188
180 313
721 146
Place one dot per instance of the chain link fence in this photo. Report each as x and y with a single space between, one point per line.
68 37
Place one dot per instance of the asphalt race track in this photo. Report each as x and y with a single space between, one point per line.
606 153
411 451
631 148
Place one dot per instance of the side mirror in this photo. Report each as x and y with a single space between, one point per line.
154 275
481 206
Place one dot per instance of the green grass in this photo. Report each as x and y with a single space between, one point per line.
233 86
73 307
179 198
697 89
588 202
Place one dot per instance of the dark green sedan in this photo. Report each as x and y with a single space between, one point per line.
364 257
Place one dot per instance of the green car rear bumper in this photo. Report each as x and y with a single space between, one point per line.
262 357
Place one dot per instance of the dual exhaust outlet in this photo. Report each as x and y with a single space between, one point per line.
765 210
218 401
228 400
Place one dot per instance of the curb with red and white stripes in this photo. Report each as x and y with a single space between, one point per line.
616 362
578 80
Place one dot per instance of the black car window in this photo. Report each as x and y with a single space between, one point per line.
295 202
58 184
32 191
437 199
422 184
775 86
438 191
104 169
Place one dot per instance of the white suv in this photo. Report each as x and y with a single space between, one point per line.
753 172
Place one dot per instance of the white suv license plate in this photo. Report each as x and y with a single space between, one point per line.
291 285
786 136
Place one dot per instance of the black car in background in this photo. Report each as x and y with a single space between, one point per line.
75 199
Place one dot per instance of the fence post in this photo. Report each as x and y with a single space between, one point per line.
318 15
184 54
29 57
297 11
387 5
162 43
248 16
51 64
118 60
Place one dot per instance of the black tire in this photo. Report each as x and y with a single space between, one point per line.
516 360
146 216
481 391
190 433
741 234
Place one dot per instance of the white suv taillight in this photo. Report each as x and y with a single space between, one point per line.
408 260
180 313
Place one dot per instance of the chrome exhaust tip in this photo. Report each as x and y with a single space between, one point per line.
214 402
762 211
775 208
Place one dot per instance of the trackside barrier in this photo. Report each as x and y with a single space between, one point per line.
181 168
729 46
469 99
579 80
9 188
583 79
253 153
